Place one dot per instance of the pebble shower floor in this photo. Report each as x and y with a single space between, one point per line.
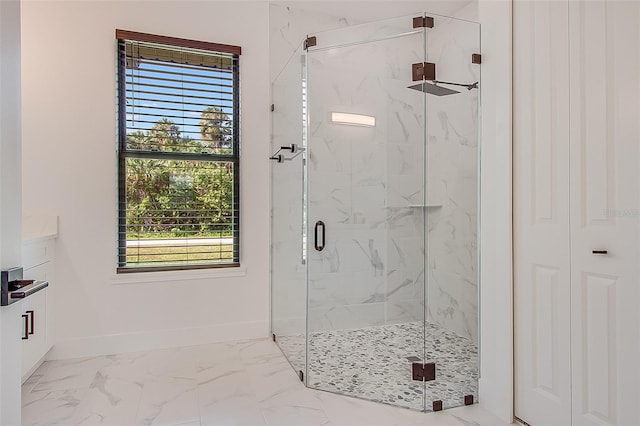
372 363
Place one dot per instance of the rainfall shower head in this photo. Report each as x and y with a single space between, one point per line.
433 88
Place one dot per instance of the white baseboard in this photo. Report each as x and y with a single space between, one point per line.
491 397
158 339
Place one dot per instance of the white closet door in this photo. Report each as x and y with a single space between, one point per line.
605 215
541 213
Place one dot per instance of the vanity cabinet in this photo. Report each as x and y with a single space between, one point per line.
37 309
30 317
35 344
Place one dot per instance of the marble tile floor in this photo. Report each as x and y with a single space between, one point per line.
372 363
235 383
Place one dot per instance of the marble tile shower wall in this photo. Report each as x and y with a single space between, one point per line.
452 132
361 184
389 293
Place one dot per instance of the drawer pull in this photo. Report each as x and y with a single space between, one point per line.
26 327
32 321
319 241
599 251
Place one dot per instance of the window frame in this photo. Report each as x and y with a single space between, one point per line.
122 36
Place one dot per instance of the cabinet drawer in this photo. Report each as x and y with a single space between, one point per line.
38 273
36 253
34 326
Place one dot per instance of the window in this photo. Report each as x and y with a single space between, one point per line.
178 153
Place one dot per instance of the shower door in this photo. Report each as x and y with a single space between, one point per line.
366 222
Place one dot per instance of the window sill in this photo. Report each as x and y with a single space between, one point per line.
186 275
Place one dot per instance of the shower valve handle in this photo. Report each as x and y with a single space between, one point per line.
319 242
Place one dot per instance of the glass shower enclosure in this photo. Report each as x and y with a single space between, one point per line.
374 220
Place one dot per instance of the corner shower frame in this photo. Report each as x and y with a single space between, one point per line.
310 41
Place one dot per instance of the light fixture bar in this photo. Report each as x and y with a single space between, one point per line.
353 119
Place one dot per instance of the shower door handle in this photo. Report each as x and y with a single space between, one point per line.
319 240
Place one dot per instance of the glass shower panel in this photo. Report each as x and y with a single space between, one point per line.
451 330
366 189
288 273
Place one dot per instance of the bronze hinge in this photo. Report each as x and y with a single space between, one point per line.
310 42
423 22
476 58
468 399
423 71
423 372
437 405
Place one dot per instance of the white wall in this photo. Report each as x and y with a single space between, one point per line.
496 272
69 121
10 165
10 205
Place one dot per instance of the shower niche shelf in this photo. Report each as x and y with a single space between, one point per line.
425 206
417 206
